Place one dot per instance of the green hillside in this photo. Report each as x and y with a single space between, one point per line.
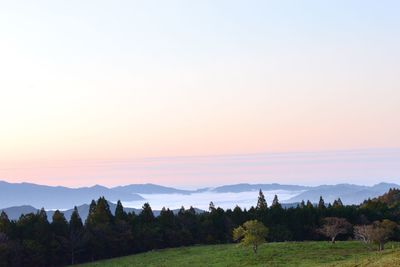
349 253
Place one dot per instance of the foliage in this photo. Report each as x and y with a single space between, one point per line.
261 202
321 203
382 231
275 203
379 232
251 233
34 241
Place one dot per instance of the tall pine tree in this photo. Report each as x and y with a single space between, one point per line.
275 202
261 202
321 203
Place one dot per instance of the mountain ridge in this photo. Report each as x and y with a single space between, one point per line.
61 197
150 188
16 194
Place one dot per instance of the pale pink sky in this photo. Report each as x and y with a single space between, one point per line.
367 166
97 82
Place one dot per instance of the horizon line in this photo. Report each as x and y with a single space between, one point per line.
197 188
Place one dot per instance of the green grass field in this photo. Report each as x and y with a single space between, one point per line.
349 253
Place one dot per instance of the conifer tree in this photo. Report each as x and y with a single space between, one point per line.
59 224
42 215
261 202
309 204
103 213
321 203
275 202
120 214
59 227
75 223
92 210
337 203
4 223
211 207
146 215
75 237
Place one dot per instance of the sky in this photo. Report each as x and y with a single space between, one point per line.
118 92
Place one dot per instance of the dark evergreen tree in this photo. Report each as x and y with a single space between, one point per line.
261 202
120 214
188 226
211 207
337 203
92 210
321 203
102 214
75 236
148 232
238 217
275 203
123 237
99 234
146 215
4 223
309 205
59 226
169 228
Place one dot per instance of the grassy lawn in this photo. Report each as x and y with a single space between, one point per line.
349 253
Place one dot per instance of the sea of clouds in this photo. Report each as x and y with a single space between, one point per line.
202 200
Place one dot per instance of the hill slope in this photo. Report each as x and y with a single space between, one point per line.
273 254
348 193
391 199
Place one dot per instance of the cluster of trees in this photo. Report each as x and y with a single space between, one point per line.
379 232
34 241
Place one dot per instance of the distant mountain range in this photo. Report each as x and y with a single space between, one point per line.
16 194
150 189
15 197
237 188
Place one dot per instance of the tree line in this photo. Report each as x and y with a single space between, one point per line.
34 241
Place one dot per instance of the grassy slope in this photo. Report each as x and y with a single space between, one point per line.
272 254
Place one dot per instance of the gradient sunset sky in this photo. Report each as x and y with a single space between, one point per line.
196 93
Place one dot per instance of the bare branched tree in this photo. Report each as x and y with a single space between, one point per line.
363 233
334 226
379 232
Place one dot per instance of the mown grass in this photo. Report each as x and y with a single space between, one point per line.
348 253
